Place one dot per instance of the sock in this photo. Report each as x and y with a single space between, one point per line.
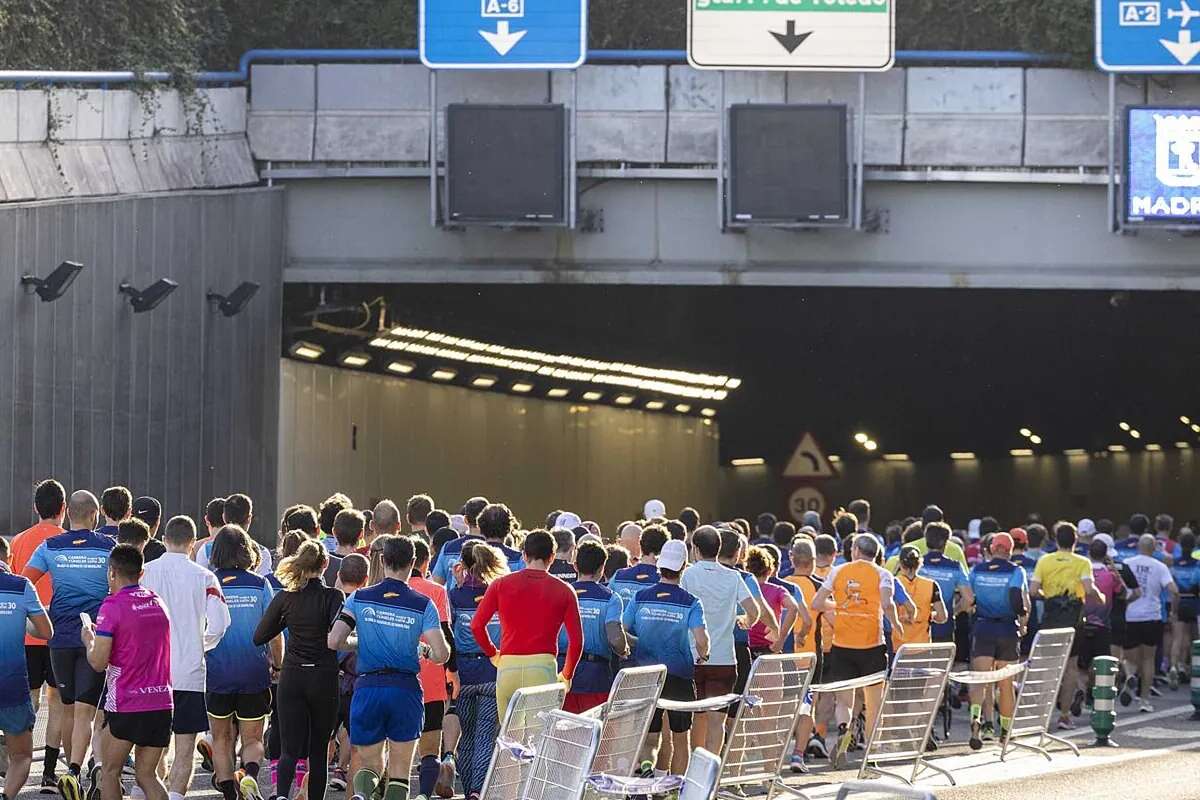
50 761
449 756
251 769
74 769
364 783
397 789
1005 723
427 774
228 790
976 712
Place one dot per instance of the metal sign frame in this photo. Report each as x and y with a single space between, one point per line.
500 63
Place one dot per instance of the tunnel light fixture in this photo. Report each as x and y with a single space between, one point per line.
148 299
306 350
522 387
355 359
655 405
1135 433
592 397
834 459
1195 427
1123 426
1035 439
895 457
748 462
1075 451
708 412
235 302
54 285
401 367
870 445
623 399
1026 432
558 391
444 374
1153 448
683 408
963 455
861 438
1183 445
1185 420
1116 448
1020 452
483 381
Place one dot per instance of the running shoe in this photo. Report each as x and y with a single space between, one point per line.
1155 691
931 744
845 737
49 784
1145 708
136 793
989 731
816 748
976 731
444 787
1173 679
337 780
248 787
1065 723
1128 689
204 748
797 765
68 787
1077 703
93 792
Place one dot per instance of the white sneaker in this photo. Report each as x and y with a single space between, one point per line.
1145 708
136 793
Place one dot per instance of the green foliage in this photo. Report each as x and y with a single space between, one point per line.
183 35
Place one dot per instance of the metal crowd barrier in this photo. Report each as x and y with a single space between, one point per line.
758 742
626 718
1039 690
866 787
703 773
911 701
567 746
524 722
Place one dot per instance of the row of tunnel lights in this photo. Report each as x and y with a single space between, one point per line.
867 443
357 359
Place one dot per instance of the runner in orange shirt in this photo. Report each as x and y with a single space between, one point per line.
50 503
433 676
925 593
808 640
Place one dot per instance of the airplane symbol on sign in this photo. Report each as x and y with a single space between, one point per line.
1185 14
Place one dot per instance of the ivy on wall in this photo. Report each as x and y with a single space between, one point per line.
181 36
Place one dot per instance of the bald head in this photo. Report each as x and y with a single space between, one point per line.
386 518
83 508
1146 544
630 537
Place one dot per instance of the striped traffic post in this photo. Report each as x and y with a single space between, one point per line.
1104 694
1196 680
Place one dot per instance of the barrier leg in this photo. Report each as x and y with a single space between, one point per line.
1196 680
1104 695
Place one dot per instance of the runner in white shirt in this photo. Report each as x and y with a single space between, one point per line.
199 618
1144 614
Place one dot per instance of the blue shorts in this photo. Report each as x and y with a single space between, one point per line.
17 719
395 713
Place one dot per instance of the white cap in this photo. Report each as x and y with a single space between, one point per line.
459 523
568 520
673 555
1086 527
1108 542
654 508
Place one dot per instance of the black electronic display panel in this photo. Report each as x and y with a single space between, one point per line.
788 164
506 165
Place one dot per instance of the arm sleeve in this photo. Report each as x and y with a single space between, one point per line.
452 662
696 616
348 614
488 605
743 592
439 567
612 613
33 605
629 617
216 613
39 560
106 621
937 593
431 620
574 632
271 624
752 587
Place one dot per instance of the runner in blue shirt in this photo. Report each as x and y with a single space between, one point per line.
628 581
1186 574
77 562
662 623
116 503
949 576
1001 606
388 620
18 603
448 558
603 637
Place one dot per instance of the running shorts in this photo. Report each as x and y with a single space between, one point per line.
15 720
682 690
519 672
1143 634
714 680
435 712
392 713
189 714
37 664
142 728
77 681
848 663
245 706
1094 641
999 646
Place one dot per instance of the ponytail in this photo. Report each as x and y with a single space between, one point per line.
310 560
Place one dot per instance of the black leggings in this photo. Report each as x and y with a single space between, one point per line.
308 713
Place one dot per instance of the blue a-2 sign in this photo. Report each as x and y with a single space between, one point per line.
503 34
1148 35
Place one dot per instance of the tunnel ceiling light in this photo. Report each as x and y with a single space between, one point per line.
748 462
401 367
683 408
1185 420
354 359
1075 451
558 391
1195 427
1123 426
895 456
483 381
1035 439
861 438
834 459
1183 445
306 350
680 383
148 299
1020 452
1154 448
870 445
963 455
623 399
655 405
521 387
1026 432
54 285
1116 448
444 374
236 301
1135 433
708 412
592 397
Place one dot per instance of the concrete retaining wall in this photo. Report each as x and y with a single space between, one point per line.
87 142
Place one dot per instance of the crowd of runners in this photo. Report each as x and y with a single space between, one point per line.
376 650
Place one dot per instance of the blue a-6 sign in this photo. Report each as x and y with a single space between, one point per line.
1148 35
503 34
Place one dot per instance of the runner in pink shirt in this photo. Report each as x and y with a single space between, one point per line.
131 642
